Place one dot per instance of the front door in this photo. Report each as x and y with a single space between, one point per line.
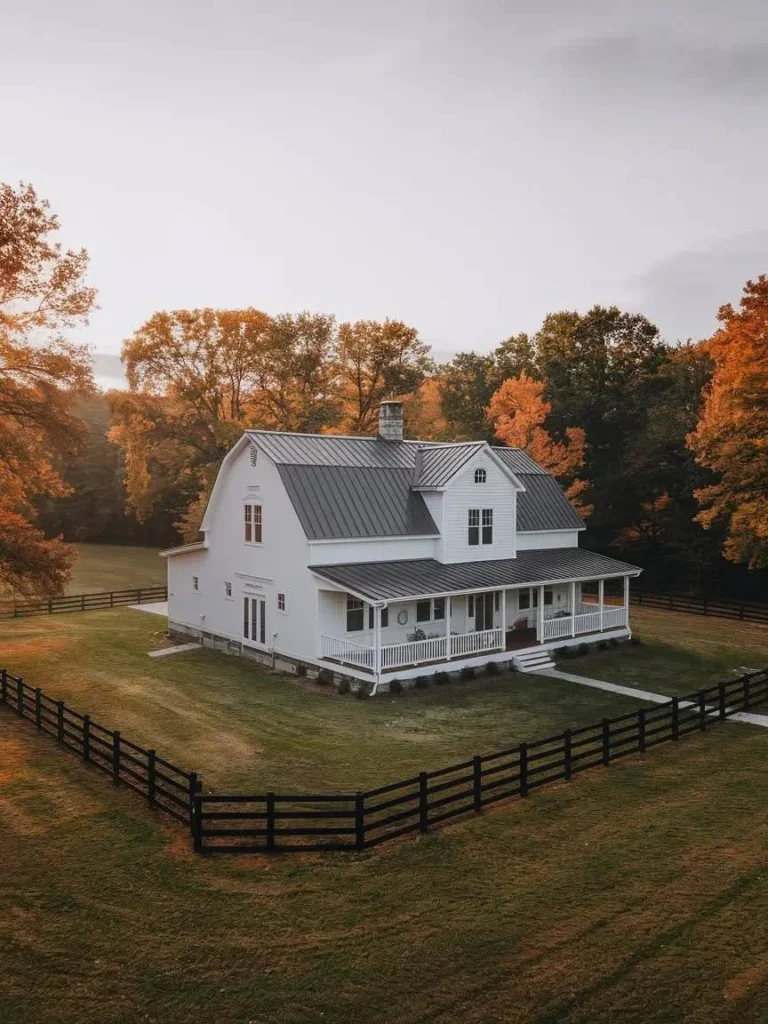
483 611
255 620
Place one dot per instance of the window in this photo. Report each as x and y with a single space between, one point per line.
471 606
473 527
255 619
355 617
438 608
480 476
496 601
423 610
195 583
487 526
549 596
281 602
372 617
254 454
530 598
227 590
252 524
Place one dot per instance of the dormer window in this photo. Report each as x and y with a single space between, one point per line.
479 526
480 476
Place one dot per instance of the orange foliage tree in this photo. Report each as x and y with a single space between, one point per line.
42 293
731 437
518 412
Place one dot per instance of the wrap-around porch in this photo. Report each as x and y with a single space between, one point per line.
384 637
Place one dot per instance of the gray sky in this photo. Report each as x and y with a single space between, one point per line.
464 166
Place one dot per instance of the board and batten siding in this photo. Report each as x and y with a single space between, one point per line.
461 495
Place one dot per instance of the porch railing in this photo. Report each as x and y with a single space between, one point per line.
414 652
348 651
588 621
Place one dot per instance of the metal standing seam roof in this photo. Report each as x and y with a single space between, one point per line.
330 450
543 505
425 577
436 464
355 501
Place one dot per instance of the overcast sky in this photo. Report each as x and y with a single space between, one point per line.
464 166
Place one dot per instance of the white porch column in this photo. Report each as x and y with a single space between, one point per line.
540 615
626 601
504 618
573 609
448 610
600 596
377 641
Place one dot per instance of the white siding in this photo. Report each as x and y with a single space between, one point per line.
537 539
372 550
463 494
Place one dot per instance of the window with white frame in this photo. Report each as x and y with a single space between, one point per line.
252 523
529 598
195 583
473 526
480 476
355 615
227 589
430 611
487 526
372 617
281 603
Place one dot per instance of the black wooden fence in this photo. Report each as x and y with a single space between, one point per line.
745 611
83 602
163 784
244 823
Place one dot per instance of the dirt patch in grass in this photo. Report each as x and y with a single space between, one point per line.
13 760
740 984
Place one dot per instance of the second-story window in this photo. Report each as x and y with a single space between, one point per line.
473 526
487 526
252 522
480 476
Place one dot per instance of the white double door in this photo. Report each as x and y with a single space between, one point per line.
255 620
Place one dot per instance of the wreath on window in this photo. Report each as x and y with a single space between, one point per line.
402 617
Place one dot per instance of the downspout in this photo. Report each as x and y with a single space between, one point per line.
377 647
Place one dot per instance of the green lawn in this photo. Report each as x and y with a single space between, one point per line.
241 726
636 894
102 567
678 653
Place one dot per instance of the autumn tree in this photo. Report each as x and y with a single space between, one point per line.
518 412
377 361
423 413
730 438
42 295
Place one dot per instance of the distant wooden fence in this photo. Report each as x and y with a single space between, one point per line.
283 822
83 602
745 611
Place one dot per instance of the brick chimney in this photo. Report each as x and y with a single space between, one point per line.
391 421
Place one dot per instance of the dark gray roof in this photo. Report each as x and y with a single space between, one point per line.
355 501
329 450
519 461
436 464
542 506
423 577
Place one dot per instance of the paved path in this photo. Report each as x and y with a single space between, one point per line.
646 695
155 608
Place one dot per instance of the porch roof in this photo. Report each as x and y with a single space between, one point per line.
425 577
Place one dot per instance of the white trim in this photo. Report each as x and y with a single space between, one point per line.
357 540
563 529
184 549
258 579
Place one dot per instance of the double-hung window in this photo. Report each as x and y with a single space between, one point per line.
473 527
372 617
355 615
430 611
487 526
479 526
252 523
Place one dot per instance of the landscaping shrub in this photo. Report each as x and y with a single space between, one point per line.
324 677
301 669
565 652
492 669
635 641
614 642
395 686
603 645
441 678
582 649
363 690
467 672
343 688
422 682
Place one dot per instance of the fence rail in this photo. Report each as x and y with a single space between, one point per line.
284 822
744 611
83 602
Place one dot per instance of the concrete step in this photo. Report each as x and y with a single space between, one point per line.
532 661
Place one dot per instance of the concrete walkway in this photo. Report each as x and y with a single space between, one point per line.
646 695
155 608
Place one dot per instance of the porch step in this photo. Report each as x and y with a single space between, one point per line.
532 661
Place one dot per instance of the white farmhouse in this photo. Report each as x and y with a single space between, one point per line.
381 558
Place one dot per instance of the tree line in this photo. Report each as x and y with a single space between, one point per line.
659 446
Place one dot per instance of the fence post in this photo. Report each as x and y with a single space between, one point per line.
567 755
741 610
747 693
671 602
423 809
4 685
721 700
702 712
477 782
606 741
675 718
523 769
270 821
360 821
116 756
641 730
38 707
50 607
86 737
111 599
60 721
151 775
20 698
82 602
138 592
196 814
194 787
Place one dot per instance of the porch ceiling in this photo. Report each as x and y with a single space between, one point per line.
425 577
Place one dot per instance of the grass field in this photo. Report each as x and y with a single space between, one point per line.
635 894
102 567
